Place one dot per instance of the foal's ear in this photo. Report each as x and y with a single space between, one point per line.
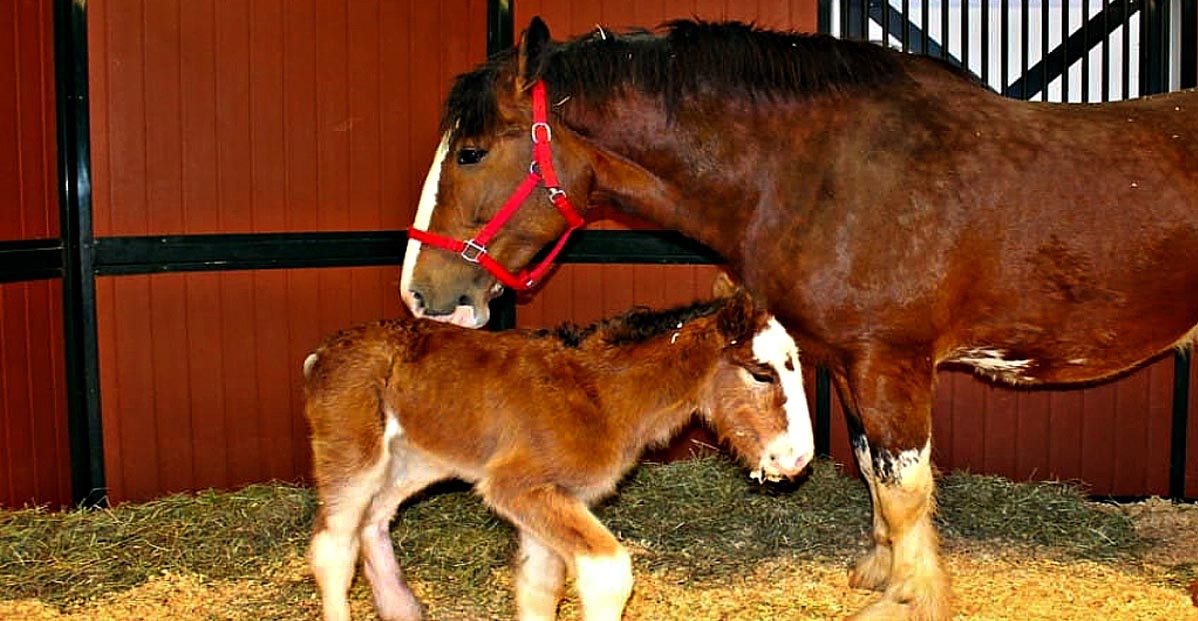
737 319
533 43
723 287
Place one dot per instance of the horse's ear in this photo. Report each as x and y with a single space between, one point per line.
533 43
723 287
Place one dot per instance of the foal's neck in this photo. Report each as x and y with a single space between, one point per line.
660 386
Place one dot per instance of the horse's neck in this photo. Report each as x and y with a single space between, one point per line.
646 170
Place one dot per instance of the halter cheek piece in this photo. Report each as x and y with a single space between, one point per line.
540 172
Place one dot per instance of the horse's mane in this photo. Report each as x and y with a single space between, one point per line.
635 326
717 59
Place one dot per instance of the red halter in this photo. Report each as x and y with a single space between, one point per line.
540 171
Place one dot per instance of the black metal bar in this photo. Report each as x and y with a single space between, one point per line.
1004 24
115 256
965 35
33 259
500 25
1106 56
944 36
500 28
1024 47
884 9
907 25
79 286
1189 43
925 36
864 19
985 73
1181 417
1045 24
1055 65
1126 5
823 413
824 17
1066 57
1086 55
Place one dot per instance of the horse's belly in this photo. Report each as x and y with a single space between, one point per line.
1032 363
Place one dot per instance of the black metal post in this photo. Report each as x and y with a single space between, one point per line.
78 283
500 23
1189 43
1181 417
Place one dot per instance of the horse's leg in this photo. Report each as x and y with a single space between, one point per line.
872 571
602 567
333 551
540 581
893 398
393 599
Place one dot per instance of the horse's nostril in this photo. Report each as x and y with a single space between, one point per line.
773 457
417 300
464 300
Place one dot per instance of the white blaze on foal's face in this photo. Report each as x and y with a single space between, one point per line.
774 346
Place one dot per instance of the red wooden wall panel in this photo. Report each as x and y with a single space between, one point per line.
34 456
27 131
201 372
34 466
266 116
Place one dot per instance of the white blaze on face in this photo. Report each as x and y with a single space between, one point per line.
775 347
424 215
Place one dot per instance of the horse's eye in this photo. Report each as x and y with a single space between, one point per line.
469 155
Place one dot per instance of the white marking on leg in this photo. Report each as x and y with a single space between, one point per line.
775 347
424 215
911 462
604 584
540 581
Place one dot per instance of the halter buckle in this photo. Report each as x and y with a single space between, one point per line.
472 251
548 131
554 193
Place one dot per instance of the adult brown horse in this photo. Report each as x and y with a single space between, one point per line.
893 213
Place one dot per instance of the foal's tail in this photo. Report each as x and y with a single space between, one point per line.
345 383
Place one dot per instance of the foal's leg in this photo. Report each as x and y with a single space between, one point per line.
894 400
409 473
540 581
333 552
602 567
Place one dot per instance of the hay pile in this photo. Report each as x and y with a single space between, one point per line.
707 544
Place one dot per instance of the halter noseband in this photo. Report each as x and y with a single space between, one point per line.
540 171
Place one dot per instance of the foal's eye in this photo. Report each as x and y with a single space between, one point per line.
470 155
762 375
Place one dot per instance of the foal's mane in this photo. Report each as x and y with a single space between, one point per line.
718 59
635 326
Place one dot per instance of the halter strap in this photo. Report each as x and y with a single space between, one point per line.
540 172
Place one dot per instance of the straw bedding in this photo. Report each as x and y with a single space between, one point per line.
706 543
